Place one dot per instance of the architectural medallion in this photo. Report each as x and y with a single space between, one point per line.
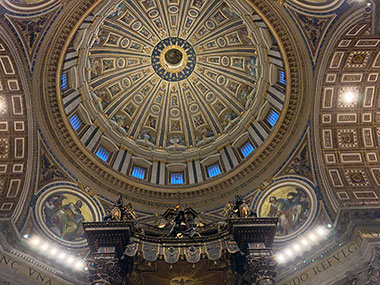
173 59
295 205
60 212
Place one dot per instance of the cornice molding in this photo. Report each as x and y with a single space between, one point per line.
206 195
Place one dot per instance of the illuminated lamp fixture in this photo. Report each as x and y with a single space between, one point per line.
53 251
288 252
296 247
62 255
280 258
35 241
312 237
79 265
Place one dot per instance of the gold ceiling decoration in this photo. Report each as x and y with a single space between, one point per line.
131 125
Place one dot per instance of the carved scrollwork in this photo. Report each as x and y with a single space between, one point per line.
369 274
105 271
259 270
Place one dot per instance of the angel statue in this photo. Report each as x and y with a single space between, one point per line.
238 209
228 211
242 209
120 211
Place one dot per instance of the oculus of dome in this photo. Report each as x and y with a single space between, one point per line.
173 56
173 59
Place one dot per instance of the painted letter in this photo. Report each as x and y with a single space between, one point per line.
296 281
324 265
315 269
13 265
3 258
31 272
41 277
352 248
304 276
336 256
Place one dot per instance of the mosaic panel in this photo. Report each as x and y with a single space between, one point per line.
60 212
293 203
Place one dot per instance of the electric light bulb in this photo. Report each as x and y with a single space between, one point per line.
312 237
78 265
322 231
296 247
62 255
280 258
45 246
288 252
35 241
53 251
70 259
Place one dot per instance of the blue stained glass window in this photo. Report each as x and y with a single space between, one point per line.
282 78
246 149
176 178
138 172
103 153
63 81
213 170
75 122
272 117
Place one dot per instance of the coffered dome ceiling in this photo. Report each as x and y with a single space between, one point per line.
158 96
180 83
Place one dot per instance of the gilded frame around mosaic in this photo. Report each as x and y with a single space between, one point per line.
60 211
293 202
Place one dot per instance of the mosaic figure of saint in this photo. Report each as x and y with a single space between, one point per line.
291 211
64 220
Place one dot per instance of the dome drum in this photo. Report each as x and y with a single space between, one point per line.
122 126
193 104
